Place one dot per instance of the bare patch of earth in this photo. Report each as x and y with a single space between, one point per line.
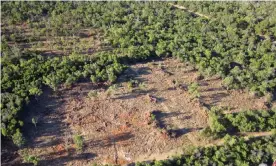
115 124
213 94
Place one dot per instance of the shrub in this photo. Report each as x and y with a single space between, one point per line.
29 158
131 84
92 94
217 121
228 81
18 138
34 121
32 159
153 117
111 90
79 142
93 78
193 90
142 86
247 121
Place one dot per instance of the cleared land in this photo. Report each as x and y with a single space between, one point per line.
117 124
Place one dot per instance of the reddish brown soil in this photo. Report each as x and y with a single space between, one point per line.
116 126
213 94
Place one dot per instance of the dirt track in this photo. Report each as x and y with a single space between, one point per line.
190 11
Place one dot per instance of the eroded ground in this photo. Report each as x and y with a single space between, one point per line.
117 124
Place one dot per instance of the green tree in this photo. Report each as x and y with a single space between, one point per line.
18 138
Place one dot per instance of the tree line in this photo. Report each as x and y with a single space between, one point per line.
235 151
221 124
23 78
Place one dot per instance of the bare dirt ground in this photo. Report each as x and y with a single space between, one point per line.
86 41
213 94
126 124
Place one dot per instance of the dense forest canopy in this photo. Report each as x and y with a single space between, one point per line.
234 40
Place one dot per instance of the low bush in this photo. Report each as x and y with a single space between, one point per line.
79 142
193 90
247 121
235 151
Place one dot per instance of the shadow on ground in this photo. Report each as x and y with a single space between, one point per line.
49 121
111 140
161 122
62 160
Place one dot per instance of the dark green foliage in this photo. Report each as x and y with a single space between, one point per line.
11 104
27 158
16 12
18 138
31 159
237 42
193 90
253 120
247 121
236 151
24 77
217 122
